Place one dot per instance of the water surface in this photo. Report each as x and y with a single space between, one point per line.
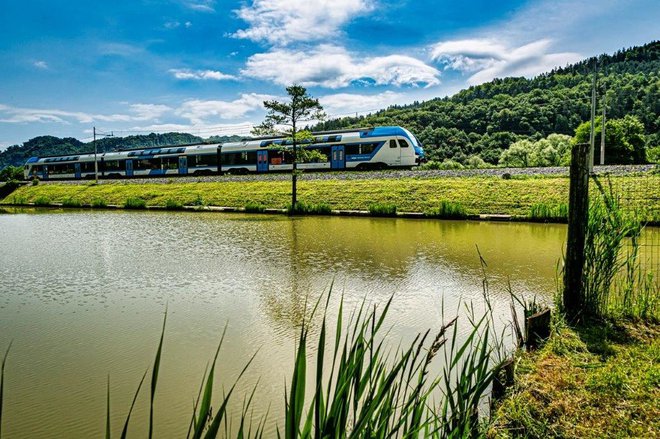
83 294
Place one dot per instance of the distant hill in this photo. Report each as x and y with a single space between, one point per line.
17 155
484 120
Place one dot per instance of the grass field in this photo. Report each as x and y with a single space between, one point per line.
521 197
598 380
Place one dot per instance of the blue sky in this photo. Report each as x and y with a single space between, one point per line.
205 66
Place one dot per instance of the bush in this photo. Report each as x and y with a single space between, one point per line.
255 208
71 202
309 209
382 210
173 205
11 173
476 162
35 182
446 165
135 203
42 201
447 209
99 202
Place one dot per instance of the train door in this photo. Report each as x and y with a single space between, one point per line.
395 153
44 172
77 169
129 168
262 161
183 165
338 158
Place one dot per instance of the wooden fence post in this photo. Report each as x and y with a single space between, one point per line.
578 214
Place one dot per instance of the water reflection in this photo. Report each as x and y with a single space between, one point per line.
82 293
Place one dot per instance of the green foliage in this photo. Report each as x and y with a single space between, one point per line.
99 202
382 209
42 201
171 204
545 212
447 210
71 202
551 151
653 154
303 208
255 207
11 173
445 165
476 162
624 139
135 203
35 182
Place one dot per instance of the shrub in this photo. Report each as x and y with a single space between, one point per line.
99 202
71 202
135 203
476 162
309 209
382 209
255 207
199 201
447 209
173 205
35 182
42 201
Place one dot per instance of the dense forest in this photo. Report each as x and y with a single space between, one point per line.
484 120
510 121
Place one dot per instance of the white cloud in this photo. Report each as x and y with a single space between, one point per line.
487 58
24 115
281 22
201 5
199 111
187 74
347 104
172 24
43 65
202 130
149 111
333 67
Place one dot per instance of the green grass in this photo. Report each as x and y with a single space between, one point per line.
254 208
42 200
173 205
545 212
598 380
71 202
477 195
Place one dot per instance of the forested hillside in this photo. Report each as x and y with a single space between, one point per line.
17 155
486 119
480 123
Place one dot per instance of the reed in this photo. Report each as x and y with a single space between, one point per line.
302 208
547 212
447 210
254 207
42 201
71 202
171 204
2 383
99 202
382 209
135 203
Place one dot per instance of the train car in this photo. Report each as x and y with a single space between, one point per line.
146 162
370 148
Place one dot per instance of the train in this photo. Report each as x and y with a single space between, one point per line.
364 148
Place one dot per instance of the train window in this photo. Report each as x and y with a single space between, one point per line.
113 165
403 143
352 149
170 162
192 161
367 148
207 160
392 143
239 158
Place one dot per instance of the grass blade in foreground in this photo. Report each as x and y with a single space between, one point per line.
154 377
2 382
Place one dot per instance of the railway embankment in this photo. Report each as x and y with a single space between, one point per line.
537 194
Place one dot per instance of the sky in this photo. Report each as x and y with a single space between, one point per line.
206 66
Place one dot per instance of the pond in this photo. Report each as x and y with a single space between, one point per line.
83 295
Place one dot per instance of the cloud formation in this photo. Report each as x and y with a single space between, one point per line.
348 104
487 59
199 111
334 67
187 74
281 22
24 115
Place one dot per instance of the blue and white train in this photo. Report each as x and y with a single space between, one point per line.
370 148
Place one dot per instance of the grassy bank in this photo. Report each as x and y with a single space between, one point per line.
521 197
597 380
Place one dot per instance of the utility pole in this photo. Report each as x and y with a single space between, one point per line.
96 163
592 136
602 132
